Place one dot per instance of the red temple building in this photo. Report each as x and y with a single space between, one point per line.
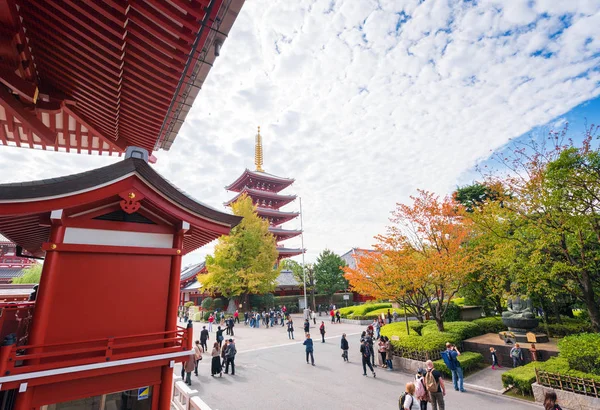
264 189
12 262
105 78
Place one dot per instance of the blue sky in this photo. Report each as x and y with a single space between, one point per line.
365 101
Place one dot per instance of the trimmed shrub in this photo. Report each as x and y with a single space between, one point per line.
569 326
207 303
459 301
197 317
362 310
452 313
582 352
378 312
432 343
521 378
418 326
463 330
467 360
188 304
490 324
205 316
218 304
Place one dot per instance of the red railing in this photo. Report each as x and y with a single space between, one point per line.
25 359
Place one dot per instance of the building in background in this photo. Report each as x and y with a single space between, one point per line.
12 264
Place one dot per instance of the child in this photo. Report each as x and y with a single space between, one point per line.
494 358
344 346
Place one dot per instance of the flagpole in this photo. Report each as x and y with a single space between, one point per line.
303 265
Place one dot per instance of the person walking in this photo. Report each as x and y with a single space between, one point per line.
332 314
188 368
306 326
533 353
494 358
322 330
420 389
236 317
370 342
204 336
215 364
389 316
223 351
457 372
197 356
246 315
231 325
308 343
290 328
230 357
314 317
219 335
382 351
337 316
365 353
550 400
211 319
388 357
344 347
407 400
435 387
516 354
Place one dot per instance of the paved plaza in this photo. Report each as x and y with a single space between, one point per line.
271 373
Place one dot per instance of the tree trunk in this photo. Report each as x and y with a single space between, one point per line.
498 304
438 317
590 301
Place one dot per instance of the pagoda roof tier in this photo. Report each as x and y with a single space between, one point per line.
289 252
259 180
26 209
99 76
283 234
277 199
275 216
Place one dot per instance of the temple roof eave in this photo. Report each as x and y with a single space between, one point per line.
237 184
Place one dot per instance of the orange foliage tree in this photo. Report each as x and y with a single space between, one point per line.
421 260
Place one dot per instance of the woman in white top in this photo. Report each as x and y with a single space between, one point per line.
409 398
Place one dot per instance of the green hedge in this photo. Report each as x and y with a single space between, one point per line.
490 324
433 343
468 361
582 352
568 327
464 330
378 312
362 310
521 377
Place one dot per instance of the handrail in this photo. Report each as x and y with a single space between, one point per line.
37 357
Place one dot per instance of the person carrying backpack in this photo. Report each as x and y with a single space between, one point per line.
434 384
407 400
452 354
420 389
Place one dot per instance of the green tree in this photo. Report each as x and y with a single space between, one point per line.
244 262
298 273
329 274
207 303
553 203
31 275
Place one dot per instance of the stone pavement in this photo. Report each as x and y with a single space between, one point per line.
486 380
271 373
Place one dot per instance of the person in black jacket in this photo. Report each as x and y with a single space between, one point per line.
290 328
203 338
365 353
344 346
306 326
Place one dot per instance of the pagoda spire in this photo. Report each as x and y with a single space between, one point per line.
258 152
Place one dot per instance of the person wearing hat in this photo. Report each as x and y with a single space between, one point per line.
230 357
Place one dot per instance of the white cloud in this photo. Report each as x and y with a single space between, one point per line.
364 101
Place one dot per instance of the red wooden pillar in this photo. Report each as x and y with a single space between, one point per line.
43 300
171 322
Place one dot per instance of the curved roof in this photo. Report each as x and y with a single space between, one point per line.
23 206
191 271
261 193
103 75
278 183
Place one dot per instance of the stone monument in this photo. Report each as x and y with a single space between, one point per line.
520 320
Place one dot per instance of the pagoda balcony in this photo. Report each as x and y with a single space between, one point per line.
275 199
67 361
284 234
257 179
276 217
288 252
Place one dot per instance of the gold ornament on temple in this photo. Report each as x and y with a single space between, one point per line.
258 152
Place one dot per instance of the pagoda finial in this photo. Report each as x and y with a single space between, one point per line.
258 152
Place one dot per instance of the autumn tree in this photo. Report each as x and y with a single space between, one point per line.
243 262
329 274
423 252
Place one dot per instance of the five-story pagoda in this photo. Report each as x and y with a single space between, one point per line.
264 189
